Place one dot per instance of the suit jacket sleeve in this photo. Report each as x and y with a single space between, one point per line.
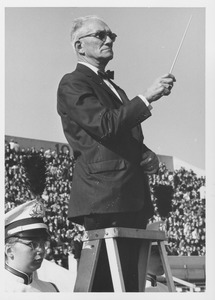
90 108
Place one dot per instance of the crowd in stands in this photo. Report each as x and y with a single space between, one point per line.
185 223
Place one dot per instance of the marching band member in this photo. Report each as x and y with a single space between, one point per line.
26 235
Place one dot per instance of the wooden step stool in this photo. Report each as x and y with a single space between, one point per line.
90 252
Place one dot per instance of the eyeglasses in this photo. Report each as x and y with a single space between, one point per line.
101 35
33 244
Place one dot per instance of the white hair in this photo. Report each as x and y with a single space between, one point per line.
77 26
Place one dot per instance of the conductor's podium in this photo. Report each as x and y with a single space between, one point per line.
90 252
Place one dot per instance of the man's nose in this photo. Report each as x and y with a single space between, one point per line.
40 247
108 40
40 251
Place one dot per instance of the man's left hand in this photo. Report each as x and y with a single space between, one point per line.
149 162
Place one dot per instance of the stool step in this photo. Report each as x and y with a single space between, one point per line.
116 232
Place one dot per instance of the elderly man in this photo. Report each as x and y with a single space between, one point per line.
103 127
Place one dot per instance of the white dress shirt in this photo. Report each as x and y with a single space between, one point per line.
95 69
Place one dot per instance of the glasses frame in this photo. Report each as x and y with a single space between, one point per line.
96 34
33 244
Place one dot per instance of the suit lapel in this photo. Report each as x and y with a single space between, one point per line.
136 131
97 79
121 93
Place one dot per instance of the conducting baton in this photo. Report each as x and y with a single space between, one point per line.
179 48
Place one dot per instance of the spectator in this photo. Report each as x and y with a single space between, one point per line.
185 223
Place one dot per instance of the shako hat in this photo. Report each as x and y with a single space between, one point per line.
26 220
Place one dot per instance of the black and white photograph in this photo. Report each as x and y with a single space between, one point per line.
107 153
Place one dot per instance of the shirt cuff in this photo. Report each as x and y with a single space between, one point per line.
146 102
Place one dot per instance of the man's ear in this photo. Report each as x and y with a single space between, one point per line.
79 47
9 251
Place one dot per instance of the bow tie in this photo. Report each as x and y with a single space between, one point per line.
106 75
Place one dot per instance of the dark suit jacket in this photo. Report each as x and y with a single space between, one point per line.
107 140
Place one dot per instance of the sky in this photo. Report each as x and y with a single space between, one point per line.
38 53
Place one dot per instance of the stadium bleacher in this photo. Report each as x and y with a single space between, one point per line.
185 223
